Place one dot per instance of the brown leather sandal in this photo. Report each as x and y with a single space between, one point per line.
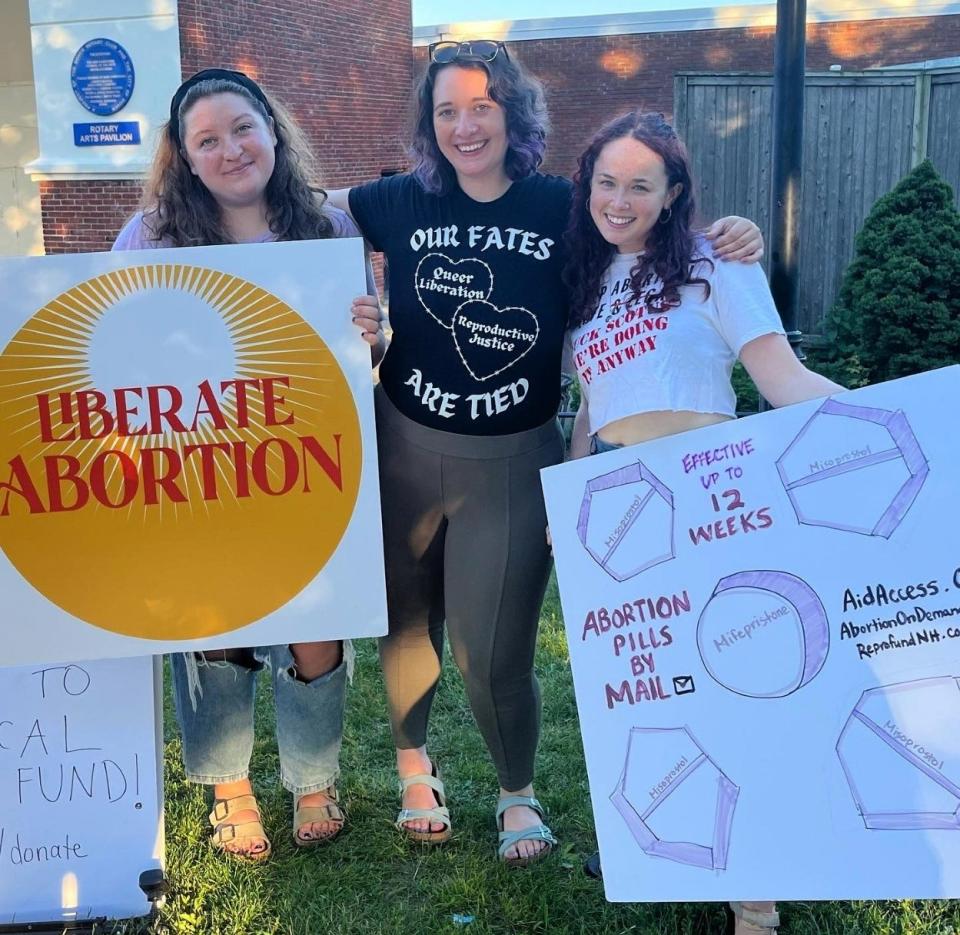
227 833
307 814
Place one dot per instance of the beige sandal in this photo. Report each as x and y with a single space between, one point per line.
440 813
749 921
227 832
307 814
532 833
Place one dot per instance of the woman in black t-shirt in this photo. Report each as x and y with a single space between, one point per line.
466 417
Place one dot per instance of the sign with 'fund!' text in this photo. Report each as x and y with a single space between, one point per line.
187 455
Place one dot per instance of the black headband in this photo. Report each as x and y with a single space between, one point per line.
211 74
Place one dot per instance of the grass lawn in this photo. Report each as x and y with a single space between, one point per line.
372 881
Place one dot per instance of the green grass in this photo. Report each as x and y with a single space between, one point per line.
372 881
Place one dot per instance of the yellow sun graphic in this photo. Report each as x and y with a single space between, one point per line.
174 511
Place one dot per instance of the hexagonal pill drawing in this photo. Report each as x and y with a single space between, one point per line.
900 753
763 634
853 468
676 801
626 521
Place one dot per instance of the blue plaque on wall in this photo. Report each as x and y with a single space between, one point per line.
102 76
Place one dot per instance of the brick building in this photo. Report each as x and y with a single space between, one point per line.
344 74
595 67
347 74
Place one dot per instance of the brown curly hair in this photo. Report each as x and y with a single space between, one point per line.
671 250
524 105
178 208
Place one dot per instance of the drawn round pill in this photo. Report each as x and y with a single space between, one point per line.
763 634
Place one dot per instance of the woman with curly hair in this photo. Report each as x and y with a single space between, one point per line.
635 261
466 418
232 167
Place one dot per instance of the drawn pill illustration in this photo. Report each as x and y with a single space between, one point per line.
853 468
626 521
763 634
900 754
675 800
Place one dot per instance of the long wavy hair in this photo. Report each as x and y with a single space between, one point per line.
179 209
671 253
518 93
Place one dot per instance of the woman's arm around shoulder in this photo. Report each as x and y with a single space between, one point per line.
340 198
736 238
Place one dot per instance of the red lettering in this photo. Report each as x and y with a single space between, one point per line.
208 465
168 414
240 391
124 411
271 401
240 466
207 398
333 469
99 479
261 469
21 476
93 403
46 420
56 479
166 481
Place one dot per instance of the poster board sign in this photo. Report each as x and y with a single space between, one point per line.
764 625
188 455
80 790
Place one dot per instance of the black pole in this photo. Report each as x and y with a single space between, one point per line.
788 69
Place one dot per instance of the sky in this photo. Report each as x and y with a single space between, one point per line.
432 12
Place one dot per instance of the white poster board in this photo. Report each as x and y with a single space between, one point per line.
764 624
80 795
188 455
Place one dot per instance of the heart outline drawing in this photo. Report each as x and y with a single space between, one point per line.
456 301
480 377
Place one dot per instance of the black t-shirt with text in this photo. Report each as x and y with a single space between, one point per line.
477 306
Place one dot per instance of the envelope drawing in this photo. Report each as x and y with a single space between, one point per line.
683 685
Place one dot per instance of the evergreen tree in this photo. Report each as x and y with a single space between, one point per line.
898 311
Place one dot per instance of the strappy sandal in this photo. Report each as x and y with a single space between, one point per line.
534 833
440 813
227 832
751 922
304 815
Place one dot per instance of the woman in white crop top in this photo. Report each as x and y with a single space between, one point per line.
656 324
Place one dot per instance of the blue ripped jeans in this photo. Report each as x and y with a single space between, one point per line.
218 730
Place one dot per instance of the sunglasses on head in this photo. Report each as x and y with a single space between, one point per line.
484 50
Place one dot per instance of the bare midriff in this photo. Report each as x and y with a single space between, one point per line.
647 425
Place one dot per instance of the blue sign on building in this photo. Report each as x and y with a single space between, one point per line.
120 133
102 76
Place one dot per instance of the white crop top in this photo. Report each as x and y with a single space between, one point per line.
631 358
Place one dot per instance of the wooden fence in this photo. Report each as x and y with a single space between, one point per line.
862 132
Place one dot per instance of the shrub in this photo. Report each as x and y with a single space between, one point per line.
898 311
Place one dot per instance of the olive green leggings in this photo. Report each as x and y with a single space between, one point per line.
464 540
